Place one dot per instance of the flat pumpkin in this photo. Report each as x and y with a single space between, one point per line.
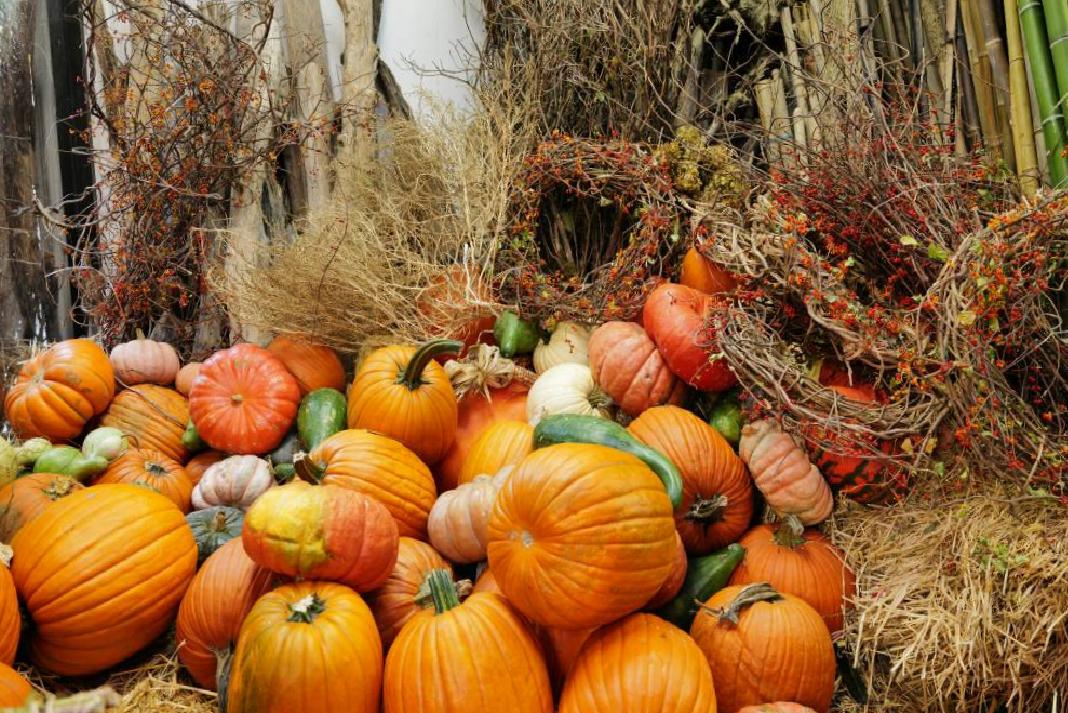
478 412
314 366
628 367
678 320
139 466
154 417
406 592
10 619
24 499
717 493
144 361
58 391
580 535
101 573
502 444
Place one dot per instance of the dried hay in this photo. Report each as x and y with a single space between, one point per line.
962 604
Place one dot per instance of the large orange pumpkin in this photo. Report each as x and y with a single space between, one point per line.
677 318
401 393
673 584
314 366
798 561
501 444
214 607
243 400
101 573
379 467
640 664
581 535
58 391
139 466
10 620
765 646
405 592
311 646
703 275
627 366
24 499
322 532
717 494
477 412
475 656
154 417
15 690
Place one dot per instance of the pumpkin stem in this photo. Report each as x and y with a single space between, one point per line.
224 659
791 532
306 610
442 590
707 510
236 398
155 467
6 553
412 376
140 334
599 399
424 599
753 593
307 469
218 523
59 487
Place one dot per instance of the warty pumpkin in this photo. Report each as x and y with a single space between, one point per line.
15 691
58 391
236 481
627 366
310 646
478 412
322 532
765 646
568 344
459 518
567 388
580 535
101 573
377 466
717 493
500 667
154 417
640 664
705 276
140 466
402 393
502 444
24 499
144 361
798 561
406 592
782 472
214 607
677 318
314 366
10 619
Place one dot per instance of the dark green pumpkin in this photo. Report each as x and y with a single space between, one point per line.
213 527
322 413
281 458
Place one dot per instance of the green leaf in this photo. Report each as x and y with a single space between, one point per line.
967 318
937 252
908 241
939 467
850 261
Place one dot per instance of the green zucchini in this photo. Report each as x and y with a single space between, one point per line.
322 413
573 428
704 577
726 418
191 439
514 335
68 460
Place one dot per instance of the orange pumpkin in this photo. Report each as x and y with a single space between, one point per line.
154 417
477 412
798 561
781 471
765 646
379 467
717 494
581 535
777 707
322 532
10 620
314 366
15 691
198 464
401 393
677 318
675 579
705 276
405 592
214 607
183 381
101 572
456 304
24 499
58 391
139 466
498 668
640 664
501 444
627 366
311 646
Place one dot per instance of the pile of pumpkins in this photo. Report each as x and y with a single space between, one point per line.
389 546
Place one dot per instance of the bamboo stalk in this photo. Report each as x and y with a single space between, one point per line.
1033 27
984 93
891 43
919 55
806 131
932 13
999 74
969 105
1020 106
899 15
947 57
1036 124
1057 27
781 117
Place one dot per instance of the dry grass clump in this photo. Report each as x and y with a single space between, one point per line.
962 605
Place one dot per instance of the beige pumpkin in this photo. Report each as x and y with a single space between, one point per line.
144 361
567 345
567 388
236 481
183 382
782 471
459 518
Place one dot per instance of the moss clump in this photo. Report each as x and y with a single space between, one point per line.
708 172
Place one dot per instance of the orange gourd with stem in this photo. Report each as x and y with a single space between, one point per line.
406 591
139 466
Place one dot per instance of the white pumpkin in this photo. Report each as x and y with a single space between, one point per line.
235 481
144 361
458 520
567 345
566 388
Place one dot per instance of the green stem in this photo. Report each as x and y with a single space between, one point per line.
1044 84
224 660
306 610
1057 27
759 592
412 376
442 591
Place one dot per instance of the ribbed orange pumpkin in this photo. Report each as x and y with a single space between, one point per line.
477 412
703 275
475 656
675 579
15 690
405 593
214 607
101 573
314 366
199 463
717 494
139 466
379 467
401 393
627 366
24 499
777 707
765 646
10 620
799 562
311 646
501 444
676 317
154 417
640 664
58 391
581 535
243 400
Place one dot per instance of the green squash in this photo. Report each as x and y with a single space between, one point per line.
9 462
213 527
514 335
322 413
68 460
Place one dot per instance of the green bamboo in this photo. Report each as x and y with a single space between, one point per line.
1033 27
1020 105
1057 27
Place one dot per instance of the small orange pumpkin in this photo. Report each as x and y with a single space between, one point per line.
703 275
24 499
154 417
314 366
627 366
405 592
198 464
10 620
677 318
183 381
15 691
139 466
477 411
501 444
